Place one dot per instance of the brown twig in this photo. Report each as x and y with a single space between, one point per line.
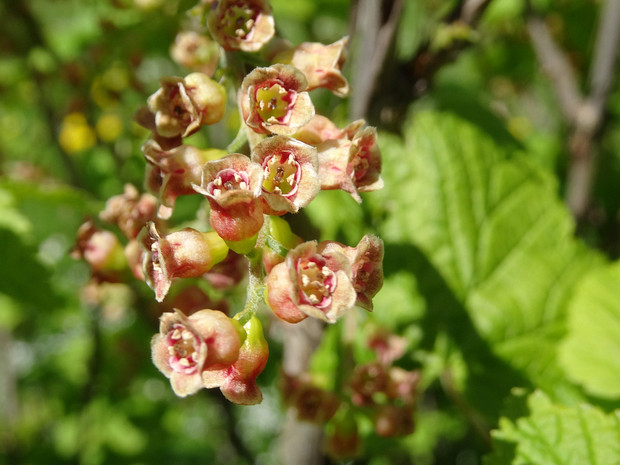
583 113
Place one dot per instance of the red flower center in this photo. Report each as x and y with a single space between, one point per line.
183 348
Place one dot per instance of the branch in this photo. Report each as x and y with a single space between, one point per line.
556 66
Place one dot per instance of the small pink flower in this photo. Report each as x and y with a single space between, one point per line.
273 100
290 173
187 347
182 105
394 420
232 185
182 254
310 283
319 129
244 25
311 403
321 64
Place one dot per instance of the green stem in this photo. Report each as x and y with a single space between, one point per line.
256 286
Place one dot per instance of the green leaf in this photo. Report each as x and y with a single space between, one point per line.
557 434
491 246
590 354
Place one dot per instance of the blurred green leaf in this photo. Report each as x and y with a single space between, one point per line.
590 354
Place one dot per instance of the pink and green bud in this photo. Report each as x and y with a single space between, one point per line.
196 52
232 185
290 173
188 347
102 251
182 254
181 106
321 64
388 346
366 267
352 163
173 172
130 211
273 100
245 25
285 239
310 283
342 438
238 382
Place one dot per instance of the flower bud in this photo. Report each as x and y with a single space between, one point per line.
182 254
366 381
281 232
101 250
196 52
342 438
238 382
311 403
186 347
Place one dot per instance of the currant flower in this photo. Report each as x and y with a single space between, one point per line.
101 250
232 185
321 64
290 170
353 162
181 254
182 105
187 347
244 25
310 283
273 100
196 52
366 267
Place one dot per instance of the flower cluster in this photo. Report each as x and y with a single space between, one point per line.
379 391
283 156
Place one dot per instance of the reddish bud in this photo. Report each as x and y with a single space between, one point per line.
366 381
238 382
101 250
182 254
232 185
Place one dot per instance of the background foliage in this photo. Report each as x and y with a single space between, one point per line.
507 297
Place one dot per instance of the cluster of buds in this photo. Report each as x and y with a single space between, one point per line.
378 390
284 155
